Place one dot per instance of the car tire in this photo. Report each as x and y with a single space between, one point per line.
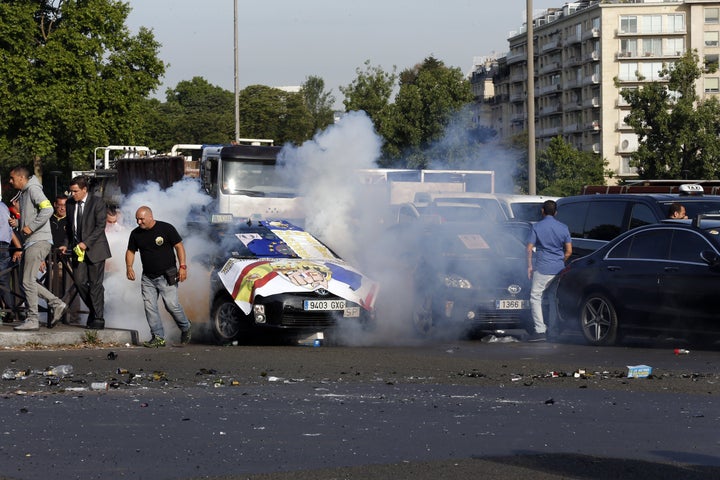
227 321
599 320
423 318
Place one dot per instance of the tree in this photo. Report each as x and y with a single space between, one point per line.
72 77
318 102
430 95
563 170
677 132
267 112
370 92
194 112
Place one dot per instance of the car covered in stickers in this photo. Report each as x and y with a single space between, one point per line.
272 276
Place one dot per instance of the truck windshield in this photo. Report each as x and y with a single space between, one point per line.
253 178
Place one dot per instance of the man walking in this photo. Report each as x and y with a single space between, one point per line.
159 243
7 238
551 242
85 232
35 211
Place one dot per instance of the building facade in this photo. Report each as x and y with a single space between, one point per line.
580 51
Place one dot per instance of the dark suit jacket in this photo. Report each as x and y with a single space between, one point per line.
93 228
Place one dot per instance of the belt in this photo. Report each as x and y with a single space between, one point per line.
2 244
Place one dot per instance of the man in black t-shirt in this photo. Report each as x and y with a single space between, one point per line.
158 243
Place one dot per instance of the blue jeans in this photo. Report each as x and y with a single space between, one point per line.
6 264
152 288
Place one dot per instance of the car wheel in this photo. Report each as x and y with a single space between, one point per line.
227 321
423 318
598 320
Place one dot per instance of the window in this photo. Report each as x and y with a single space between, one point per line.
628 24
651 24
650 71
652 47
686 246
604 220
676 23
712 15
712 85
628 71
711 39
711 61
675 46
652 245
641 215
596 23
628 47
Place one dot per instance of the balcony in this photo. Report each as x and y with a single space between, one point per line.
554 44
593 102
593 33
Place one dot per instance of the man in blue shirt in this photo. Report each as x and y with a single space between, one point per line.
550 241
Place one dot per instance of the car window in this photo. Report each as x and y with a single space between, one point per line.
573 215
695 208
641 215
653 244
531 212
604 220
687 245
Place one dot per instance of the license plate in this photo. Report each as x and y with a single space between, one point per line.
323 305
511 304
351 312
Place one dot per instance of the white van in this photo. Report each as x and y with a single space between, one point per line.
512 206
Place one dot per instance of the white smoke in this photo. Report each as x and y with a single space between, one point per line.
123 301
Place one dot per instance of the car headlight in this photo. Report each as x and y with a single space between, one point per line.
455 281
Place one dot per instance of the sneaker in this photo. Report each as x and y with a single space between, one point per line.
536 337
58 313
185 336
28 326
155 342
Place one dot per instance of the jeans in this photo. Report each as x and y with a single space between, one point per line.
32 259
543 286
152 288
5 267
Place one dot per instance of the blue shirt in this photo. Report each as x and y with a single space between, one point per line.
5 228
549 237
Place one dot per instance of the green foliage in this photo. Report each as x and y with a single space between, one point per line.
677 132
194 112
318 102
370 91
267 112
73 78
562 170
430 95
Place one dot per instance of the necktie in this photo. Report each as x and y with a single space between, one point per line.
78 221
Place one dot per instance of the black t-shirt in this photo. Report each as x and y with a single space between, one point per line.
156 246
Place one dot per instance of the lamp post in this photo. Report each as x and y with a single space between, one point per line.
530 99
237 78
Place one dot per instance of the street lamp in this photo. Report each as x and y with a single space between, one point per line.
530 99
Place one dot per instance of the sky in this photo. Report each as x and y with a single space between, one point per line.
283 42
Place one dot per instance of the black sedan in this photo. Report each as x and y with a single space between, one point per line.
467 277
661 279
271 276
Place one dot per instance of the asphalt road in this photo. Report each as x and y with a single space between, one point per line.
453 410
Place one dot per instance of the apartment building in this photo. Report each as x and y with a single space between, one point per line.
580 49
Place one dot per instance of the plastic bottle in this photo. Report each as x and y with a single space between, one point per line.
12 374
59 371
681 351
99 385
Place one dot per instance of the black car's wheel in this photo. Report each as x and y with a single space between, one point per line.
227 321
423 318
598 320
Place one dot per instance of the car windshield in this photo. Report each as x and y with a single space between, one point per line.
492 241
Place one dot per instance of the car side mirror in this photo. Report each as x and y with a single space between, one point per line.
711 258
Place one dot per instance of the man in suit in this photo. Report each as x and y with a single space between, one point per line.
85 235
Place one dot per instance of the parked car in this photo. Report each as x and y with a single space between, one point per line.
274 276
498 205
662 278
594 220
467 277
